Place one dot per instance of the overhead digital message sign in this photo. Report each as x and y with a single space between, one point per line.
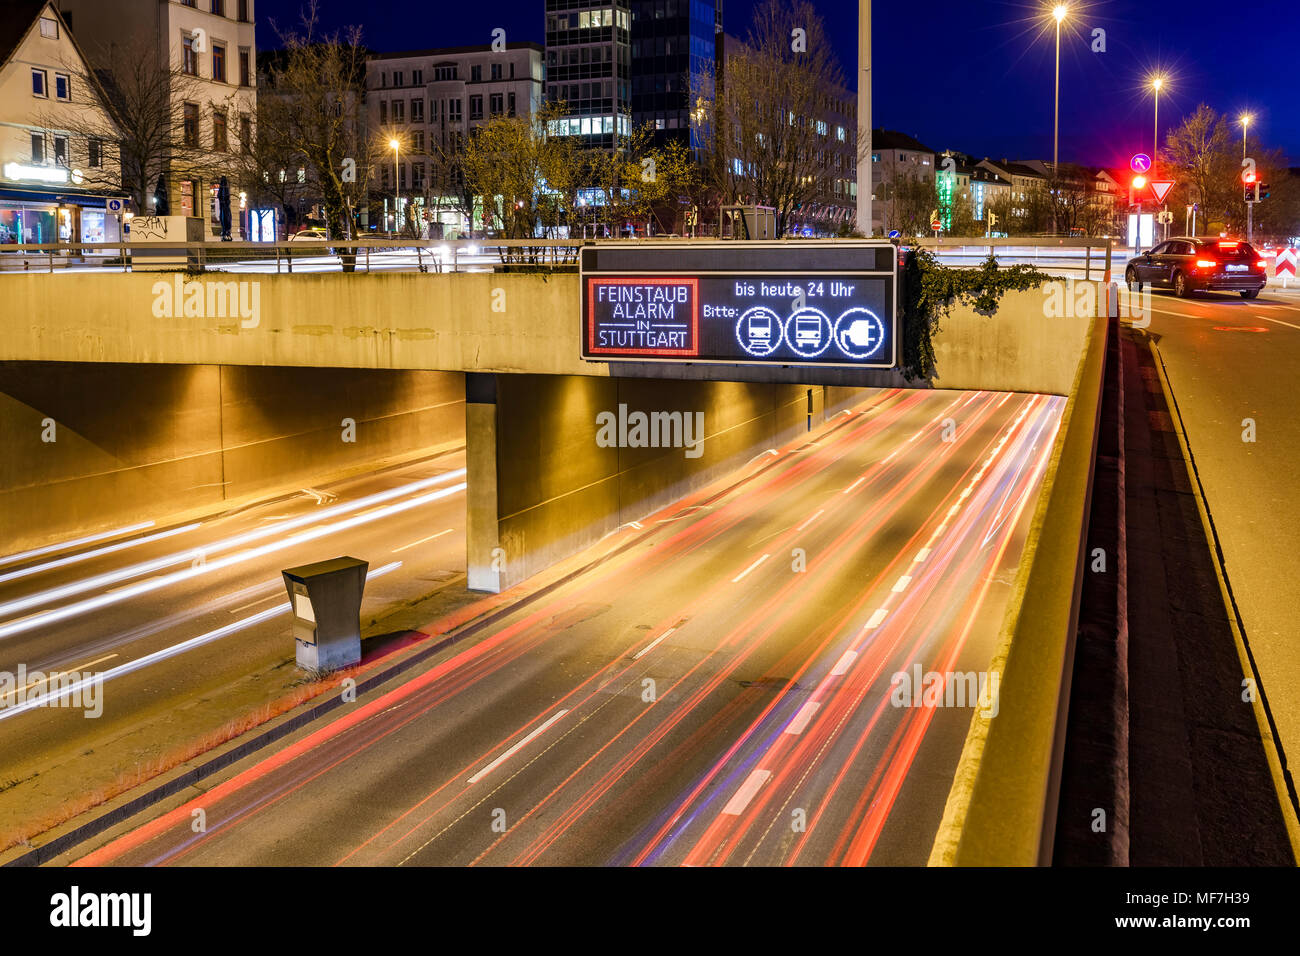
782 303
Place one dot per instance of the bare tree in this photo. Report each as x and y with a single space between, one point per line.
315 100
767 143
146 132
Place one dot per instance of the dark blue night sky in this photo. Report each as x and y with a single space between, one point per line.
974 76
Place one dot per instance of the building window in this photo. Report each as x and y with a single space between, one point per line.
39 87
60 150
191 124
187 197
383 112
245 67
497 104
397 78
49 28
441 73
476 73
95 148
417 175
218 63
220 139
417 110
496 71
476 107
417 141
399 111
190 59
511 108
246 134
453 110
219 7
417 77
244 11
62 86
38 148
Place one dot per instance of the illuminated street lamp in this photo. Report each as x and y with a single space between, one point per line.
1059 13
1157 84
397 183
1245 125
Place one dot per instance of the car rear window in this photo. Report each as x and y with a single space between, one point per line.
1231 250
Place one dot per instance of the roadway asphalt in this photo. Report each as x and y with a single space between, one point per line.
691 696
1228 360
137 607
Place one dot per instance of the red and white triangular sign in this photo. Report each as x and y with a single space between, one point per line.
1161 188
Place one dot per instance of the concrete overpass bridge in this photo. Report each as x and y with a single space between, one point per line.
126 395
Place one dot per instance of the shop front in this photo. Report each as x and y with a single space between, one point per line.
38 216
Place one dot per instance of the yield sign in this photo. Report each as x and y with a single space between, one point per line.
1161 188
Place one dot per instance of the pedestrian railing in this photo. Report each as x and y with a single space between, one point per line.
1092 258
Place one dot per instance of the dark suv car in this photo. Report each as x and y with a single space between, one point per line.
1189 265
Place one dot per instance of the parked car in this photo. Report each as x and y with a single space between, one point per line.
310 235
1187 264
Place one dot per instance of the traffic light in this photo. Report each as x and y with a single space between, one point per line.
1249 194
1135 188
1249 177
1261 191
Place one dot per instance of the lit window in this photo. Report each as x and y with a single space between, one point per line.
49 28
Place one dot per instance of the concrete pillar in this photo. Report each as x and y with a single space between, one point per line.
482 525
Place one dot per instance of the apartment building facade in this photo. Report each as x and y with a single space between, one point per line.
56 182
212 43
428 102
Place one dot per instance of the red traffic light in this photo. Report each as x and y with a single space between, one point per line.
1248 177
1139 182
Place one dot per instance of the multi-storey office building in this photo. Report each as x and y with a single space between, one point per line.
589 68
674 67
428 101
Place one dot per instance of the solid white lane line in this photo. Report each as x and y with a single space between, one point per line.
422 540
801 719
855 484
844 663
74 543
737 579
516 748
736 805
877 619
651 646
1266 318
811 520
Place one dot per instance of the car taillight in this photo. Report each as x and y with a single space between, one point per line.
1262 264
1205 263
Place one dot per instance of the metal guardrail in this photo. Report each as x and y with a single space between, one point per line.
1046 252
480 255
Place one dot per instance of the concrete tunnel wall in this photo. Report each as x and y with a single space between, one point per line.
541 488
154 441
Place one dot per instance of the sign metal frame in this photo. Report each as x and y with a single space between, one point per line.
761 250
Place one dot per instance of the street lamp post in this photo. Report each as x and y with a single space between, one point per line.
1157 84
865 171
1059 13
397 183
1245 125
